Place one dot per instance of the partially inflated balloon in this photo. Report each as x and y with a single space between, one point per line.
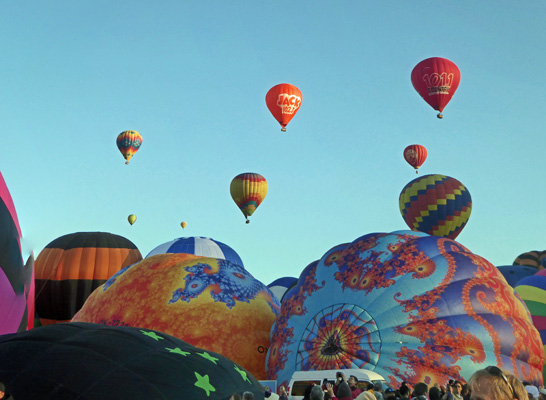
248 190
284 101
131 218
415 155
69 268
208 302
436 204
128 143
436 79
408 306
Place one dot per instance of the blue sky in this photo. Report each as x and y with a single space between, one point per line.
191 77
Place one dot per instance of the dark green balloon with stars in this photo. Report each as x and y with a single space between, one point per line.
95 362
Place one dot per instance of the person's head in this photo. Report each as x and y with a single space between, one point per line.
325 381
370 386
343 390
307 392
532 391
404 390
317 393
378 387
248 396
434 393
492 383
2 390
420 389
352 381
456 387
235 396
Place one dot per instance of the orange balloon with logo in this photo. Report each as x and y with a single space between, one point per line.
284 101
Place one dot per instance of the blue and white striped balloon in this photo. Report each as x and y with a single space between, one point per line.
199 246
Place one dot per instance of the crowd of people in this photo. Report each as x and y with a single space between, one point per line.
490 383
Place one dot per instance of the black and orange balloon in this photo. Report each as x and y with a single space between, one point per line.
69 268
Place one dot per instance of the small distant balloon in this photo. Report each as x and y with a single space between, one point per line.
415 155
183 224
128 143
283 101
248 190
131 218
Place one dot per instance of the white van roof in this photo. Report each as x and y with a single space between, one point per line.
361 374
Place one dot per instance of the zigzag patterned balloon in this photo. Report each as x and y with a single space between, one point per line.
436 204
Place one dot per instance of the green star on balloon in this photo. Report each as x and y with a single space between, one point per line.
203 383
243 373
153 335
178 350
208 357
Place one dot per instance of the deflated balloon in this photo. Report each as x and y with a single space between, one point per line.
248 190
69 268
408 306
284 101
96 362
436 79
128 143
436 204
208 302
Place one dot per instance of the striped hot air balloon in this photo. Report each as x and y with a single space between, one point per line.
128 143
248 190
436 204
534 258
69 268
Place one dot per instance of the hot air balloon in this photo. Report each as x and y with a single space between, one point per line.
281 285
128 143
436 204
96 362
415 155
199 246
248 190
409 306
514 273
534 258
131 218
70 267
16 278
436 79
204 301
183 224
284 101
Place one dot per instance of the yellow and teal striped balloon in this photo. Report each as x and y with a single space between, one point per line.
436 204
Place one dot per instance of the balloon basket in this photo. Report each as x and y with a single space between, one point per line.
440 116
283 129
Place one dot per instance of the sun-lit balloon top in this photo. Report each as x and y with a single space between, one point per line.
436 79
284 101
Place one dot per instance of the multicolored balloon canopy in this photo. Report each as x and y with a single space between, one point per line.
16 278
128 143
199 246
97 362
248 190
436 204
208 302
534 258
70 267
408 306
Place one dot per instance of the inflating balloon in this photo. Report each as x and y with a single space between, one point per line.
96 362
204 301
436 79
183 224
69 268
408 306
16 278
436 204
131 218
128 143
248 190
415 155
284 101
199 246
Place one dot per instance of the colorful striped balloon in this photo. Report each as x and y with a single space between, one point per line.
128 143
534 258
436 204
532 290
248 190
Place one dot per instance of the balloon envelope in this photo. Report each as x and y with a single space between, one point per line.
533 258
208 302
436 79
408 306
283 101
131 218
199 246
96 362
281 285
128 143
436 204
514 273
415 155
248 190
183 224
69 268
